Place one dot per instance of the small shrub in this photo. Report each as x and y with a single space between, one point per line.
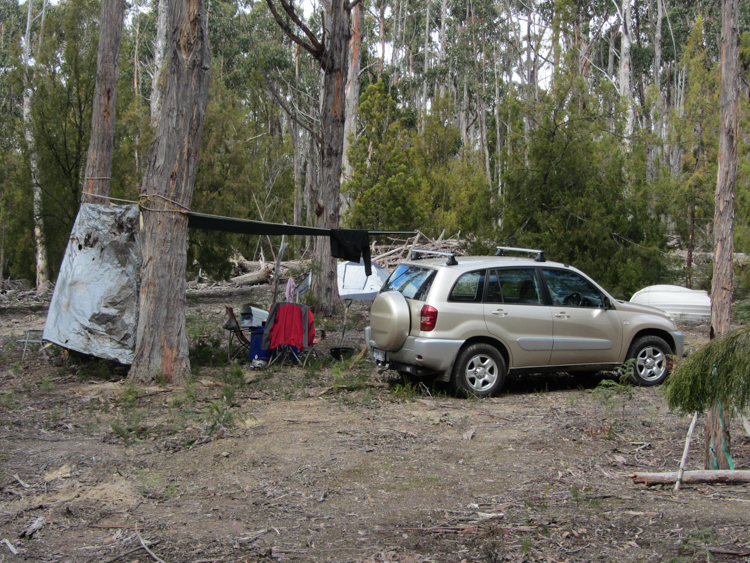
128 397
741 311
205 345
406 391
7 401
220 416
44 384
207 351
123 433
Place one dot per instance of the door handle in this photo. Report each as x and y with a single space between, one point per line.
500 313
562 316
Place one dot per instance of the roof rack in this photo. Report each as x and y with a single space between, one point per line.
539 253
417 255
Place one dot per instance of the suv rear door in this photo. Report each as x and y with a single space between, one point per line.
585 332
515 312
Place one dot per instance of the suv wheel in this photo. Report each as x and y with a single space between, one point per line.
479 370
651 360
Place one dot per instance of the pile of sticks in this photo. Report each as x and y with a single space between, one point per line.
392 252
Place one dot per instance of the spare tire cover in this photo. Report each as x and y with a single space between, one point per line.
390 320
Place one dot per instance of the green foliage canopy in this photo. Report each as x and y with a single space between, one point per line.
577 196
719 370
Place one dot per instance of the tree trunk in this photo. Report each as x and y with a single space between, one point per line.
483 138
691 246
717 453
659 107
611 57
36 189
335 62
626 89
381 20
426 62
443 44
352 93
311 175
167 189
160 48
675 150
99 157
397 21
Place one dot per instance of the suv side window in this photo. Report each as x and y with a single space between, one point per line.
514 286
570 289
412 282
468 288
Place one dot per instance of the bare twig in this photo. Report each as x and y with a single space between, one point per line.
145 547
17 478
125 554
9 545
683 461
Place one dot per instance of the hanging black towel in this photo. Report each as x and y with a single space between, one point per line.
351 244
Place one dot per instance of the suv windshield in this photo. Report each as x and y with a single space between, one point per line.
413 282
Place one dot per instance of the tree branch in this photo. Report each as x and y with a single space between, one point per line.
316 49
277 97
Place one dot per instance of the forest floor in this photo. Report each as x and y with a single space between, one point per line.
342 464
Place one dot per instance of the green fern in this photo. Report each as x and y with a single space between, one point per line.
719 370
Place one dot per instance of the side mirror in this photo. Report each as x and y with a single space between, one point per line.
606 303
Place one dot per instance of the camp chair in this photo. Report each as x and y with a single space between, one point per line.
238 345
31 336
290 334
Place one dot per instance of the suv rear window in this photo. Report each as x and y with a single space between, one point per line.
517 286
413 282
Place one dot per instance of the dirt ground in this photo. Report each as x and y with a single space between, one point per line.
342 463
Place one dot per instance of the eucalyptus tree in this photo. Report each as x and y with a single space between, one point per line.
331 52
166 191
717 448
11 31
64 84
42 274
694 131
99 156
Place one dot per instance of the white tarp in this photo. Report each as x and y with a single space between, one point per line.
679 302
94 309
354 284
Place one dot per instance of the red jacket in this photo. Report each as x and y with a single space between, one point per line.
288 326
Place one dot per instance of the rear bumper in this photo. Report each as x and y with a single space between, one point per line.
420 356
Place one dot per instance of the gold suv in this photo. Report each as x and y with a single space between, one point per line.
472 320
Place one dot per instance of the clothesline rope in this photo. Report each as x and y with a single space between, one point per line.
186 211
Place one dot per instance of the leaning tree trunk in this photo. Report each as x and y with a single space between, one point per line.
167 190
335 62
99 157
717 452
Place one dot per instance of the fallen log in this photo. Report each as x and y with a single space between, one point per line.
692 477
254 278
246 265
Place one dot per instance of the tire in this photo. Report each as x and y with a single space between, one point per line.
651 355
390 321
479 371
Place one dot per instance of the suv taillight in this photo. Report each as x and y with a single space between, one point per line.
428 318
